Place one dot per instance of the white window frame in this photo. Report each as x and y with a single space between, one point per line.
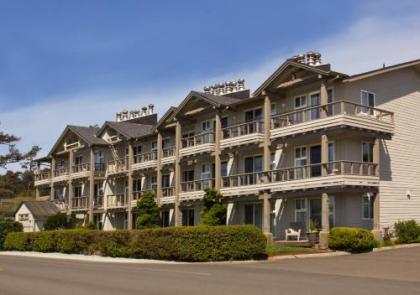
361 100
304 210
300 99
370 204
371 156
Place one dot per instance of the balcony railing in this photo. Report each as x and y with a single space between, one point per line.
145 157
168 191
98 201
168 152
42 176
61 172
202 138
117 200
151 189
243 179
79 203
81 168
197 185
117 166
331 109
243 129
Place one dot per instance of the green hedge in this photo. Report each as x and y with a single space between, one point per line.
351 239
7 227
407 231
202 243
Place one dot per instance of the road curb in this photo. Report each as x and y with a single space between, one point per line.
395 247
304 256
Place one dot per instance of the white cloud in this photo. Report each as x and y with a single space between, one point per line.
365 45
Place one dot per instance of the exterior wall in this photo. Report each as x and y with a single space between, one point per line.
29 225
398 92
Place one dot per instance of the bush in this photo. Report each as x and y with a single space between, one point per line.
214 212
7 227
147 211
352 239
407 231
204 243
58 221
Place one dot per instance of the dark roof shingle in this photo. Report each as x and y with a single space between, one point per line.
41 209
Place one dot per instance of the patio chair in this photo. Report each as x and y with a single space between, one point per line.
293 231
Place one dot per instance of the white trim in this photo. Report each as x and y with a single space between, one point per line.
370 208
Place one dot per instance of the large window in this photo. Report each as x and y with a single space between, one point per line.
253 214
367 152
166 181
188 217
224 169
77 192
315 100
301 160
368 100
300 102
188 175
300 211
367 206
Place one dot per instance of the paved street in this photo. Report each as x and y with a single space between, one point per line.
389 272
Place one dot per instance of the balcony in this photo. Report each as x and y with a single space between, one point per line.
117 201
243 134
332 115
168 155
42 178
337 173
195 189
80 171
98 202
60 174
145 160
79 203
197 144
117 167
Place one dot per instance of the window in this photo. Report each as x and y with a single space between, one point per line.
315 100
273 109
253 214
273 163
300 161
251 117
136 185
367 152
99 158
189 175
331 157
224 122
224 168
154 150
300 211
23 217
165 218
153 181
78 160
166 181
188 217
77 192
367 206
166 143
97 190
331 200
300 102
367 100
206 175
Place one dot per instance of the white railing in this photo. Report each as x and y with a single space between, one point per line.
197 185
241 129
145 157
202 138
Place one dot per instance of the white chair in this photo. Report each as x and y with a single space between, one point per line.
290 232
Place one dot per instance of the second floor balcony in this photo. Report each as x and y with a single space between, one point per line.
242 134
168 155
117 167
60 174
79 203
117 201
335 114
197 144
195 189
145 160
42 178
81 170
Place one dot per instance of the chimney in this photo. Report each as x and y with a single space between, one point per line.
151 107
143 111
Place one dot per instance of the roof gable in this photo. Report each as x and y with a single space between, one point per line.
128 130
40 209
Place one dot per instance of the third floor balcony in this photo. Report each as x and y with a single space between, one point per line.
242 134
197 144
145 160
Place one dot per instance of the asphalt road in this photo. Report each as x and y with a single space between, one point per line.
390 272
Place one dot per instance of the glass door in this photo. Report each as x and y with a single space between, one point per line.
315 158
315 212
315 101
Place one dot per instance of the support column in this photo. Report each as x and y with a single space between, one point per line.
324 155
177 212
217 152
377 233
130 187
376 156
159 168
323 93
70 182
325 222
267 166
52 168
91 183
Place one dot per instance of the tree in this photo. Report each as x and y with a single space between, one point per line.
214 212
148 212
58 221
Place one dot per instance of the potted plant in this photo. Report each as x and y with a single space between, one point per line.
313 233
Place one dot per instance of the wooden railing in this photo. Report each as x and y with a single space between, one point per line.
116 200
145 157
117 166
240 129
168 152
98 201
151 189
61 172
168 191
202 138
331 109
81 168
243 179
197 185
79 203
42 176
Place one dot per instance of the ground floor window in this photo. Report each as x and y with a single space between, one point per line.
367 206
165 218
253 214
188 217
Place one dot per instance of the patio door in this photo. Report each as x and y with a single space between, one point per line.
251 117
253 214
206 128
315 158
315 100
315 212
206 175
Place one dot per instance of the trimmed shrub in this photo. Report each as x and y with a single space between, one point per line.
203 243
58 221
147 211
352 239
8 227
407 231
213 212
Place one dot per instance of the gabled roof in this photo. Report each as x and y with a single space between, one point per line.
40 210
214 100
127 129
289 63
87 134
166 116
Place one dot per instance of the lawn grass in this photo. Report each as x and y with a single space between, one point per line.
278 250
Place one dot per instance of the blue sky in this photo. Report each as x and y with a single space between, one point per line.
78 62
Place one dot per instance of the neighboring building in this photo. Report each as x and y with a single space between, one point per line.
310 144
32 214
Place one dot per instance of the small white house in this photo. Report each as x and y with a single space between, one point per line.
32 214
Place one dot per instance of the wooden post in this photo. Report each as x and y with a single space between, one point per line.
217 152
159 168
70 181
91 183
52 171
267 167
376 156
323 93
129 198
325 222
177 212
324 155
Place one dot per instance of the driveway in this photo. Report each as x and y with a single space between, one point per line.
388 272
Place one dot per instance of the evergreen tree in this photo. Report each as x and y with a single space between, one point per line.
214 212
148 212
